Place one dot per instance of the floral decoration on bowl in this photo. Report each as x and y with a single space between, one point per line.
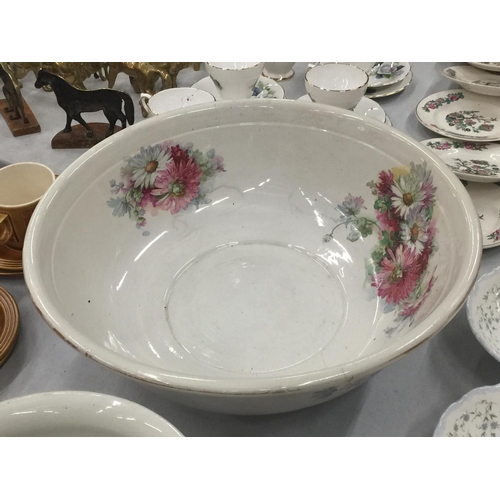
405 228
163 177
475 167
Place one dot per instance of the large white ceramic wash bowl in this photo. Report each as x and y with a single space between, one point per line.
252 257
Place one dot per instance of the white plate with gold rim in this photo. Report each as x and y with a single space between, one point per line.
474 79
470 161
376 93
461 114
387 73
488 66
266 88
365 107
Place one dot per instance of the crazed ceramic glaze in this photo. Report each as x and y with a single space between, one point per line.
79 414
477 414
236 301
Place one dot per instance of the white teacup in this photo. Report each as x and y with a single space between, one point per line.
234 80
170 99
278 70
336 84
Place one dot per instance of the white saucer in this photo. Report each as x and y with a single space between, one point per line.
470 161
265 88
461 114
399 72
365 107
375 93
486 199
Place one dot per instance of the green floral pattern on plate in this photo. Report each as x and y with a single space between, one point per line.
437 103
470 121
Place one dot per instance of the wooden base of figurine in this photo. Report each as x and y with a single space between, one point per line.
17 126
77 138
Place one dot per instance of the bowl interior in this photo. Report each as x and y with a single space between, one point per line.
79 414
337 77
175 98
252 241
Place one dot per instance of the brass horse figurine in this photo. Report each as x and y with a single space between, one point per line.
75 101
12 93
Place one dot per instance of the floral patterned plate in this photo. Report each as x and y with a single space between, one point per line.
461 114
488 66
483 312
474 79
486 199
375 93
266 88
365 107
471 161
387 73
477 414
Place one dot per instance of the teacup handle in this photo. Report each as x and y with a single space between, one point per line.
143 101
6 230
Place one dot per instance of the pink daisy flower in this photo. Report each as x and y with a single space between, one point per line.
179 184
399 275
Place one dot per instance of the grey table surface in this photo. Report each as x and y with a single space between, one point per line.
406 398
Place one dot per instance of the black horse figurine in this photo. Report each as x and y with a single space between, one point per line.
74 102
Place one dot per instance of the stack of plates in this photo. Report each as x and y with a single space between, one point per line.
475 79
388 79
11 261
478 166
9 324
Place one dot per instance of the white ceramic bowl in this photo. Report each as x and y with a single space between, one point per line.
476 414
175 98
336 84
79 414
474 79
483 311
207 254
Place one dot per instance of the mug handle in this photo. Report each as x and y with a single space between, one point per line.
6 230
143 101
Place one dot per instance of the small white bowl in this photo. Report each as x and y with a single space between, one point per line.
172 99
483 312
341 85
477 414
474 79
79 414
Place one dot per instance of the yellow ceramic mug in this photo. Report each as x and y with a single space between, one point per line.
22 185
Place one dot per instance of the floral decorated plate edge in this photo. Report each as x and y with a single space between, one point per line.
462 403
438 144
453 95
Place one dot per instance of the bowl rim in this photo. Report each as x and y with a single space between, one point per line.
470 314
486 389
248 386
72 399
